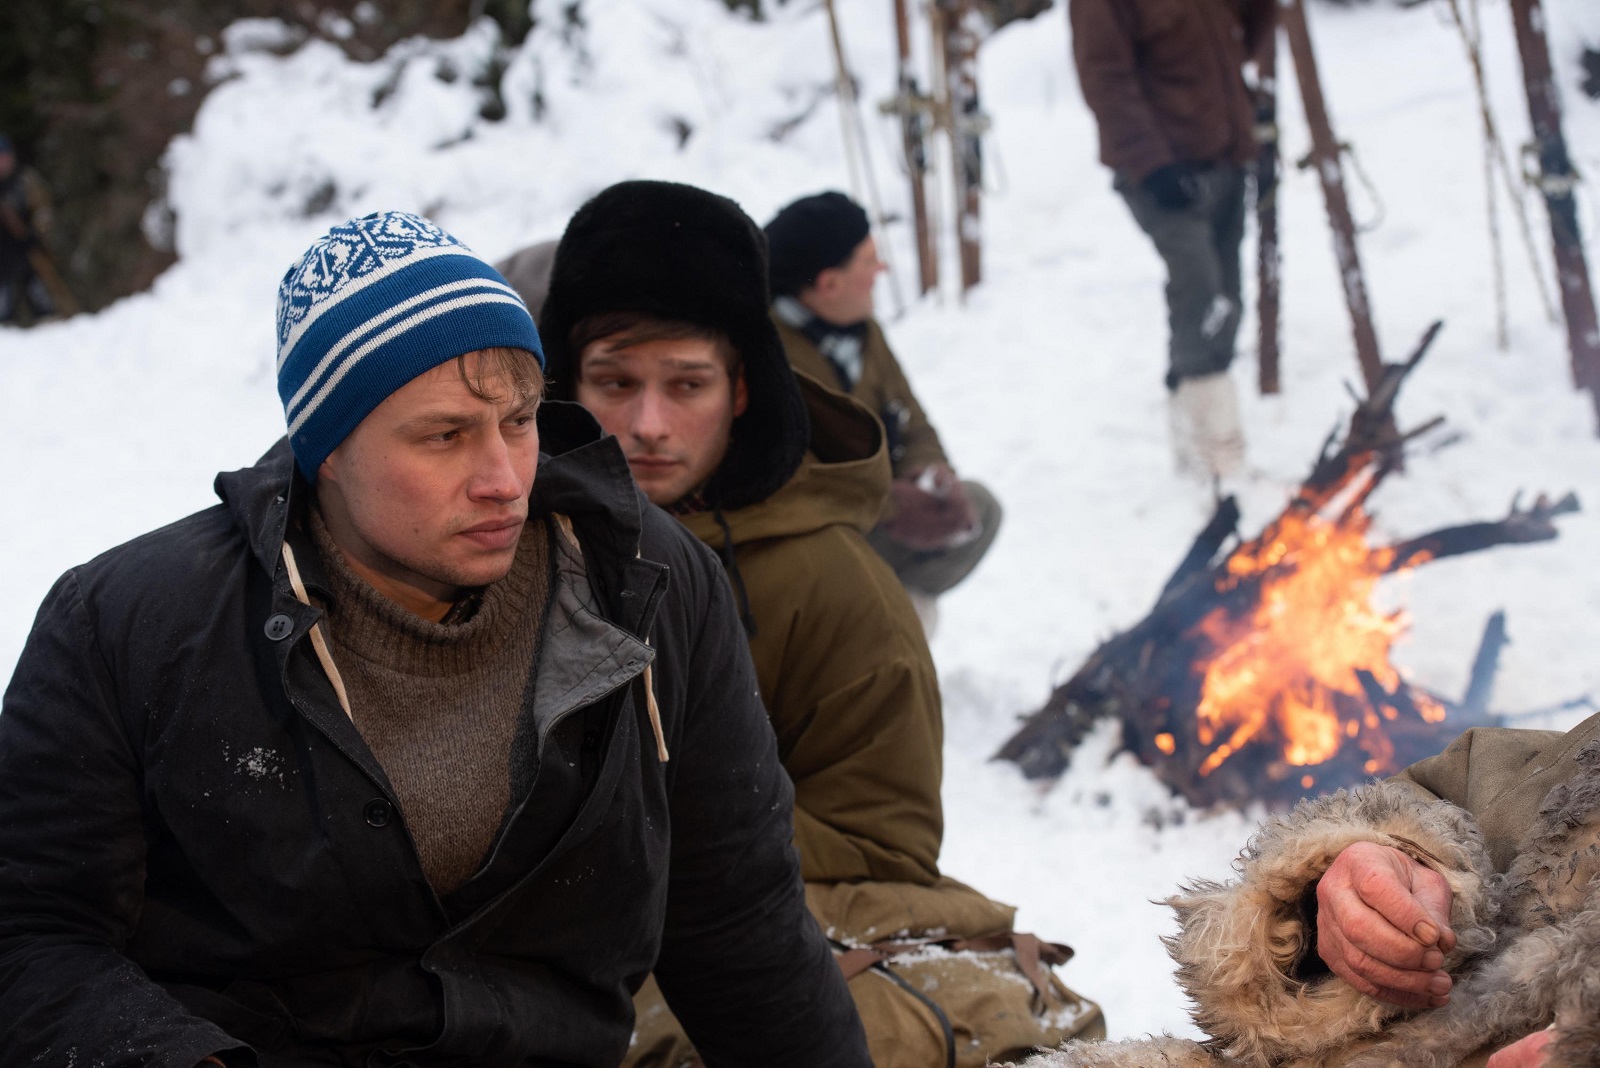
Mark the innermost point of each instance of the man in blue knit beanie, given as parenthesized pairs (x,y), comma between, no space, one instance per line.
(407,752)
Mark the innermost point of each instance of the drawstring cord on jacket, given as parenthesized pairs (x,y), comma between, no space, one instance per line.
(732,565)
(318,642)
(652,708)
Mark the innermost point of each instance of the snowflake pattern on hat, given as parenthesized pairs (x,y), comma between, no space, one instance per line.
(358,249)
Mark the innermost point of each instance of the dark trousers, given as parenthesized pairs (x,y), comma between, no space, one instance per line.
(1200,245)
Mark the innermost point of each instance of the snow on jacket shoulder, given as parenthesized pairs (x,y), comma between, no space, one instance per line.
(198,853)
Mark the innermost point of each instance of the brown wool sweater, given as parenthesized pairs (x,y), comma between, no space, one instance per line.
(439,703)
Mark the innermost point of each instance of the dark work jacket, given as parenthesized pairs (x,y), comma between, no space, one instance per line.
(199,854)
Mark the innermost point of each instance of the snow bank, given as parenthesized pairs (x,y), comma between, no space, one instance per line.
(1046,382)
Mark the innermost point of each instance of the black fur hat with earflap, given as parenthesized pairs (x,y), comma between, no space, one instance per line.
(680,253)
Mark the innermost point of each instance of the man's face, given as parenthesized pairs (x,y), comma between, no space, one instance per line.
(843,295)
(670,402)
(8,163)
(429,494)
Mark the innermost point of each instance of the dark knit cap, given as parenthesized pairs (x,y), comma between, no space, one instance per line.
(682,254)
(811,235)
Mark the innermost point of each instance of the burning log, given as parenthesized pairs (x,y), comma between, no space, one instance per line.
(1263,672)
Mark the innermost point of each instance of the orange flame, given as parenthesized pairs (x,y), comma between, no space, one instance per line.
(1276,675)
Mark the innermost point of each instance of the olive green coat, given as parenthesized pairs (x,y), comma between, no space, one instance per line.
(882,387)
(840,657)
(849,684)
(1501,776)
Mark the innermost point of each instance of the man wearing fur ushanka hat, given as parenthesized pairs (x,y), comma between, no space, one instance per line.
(657,321)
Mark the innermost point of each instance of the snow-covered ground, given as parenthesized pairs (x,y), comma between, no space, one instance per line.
(1045,382)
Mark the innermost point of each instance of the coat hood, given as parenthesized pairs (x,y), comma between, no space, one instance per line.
(843,477)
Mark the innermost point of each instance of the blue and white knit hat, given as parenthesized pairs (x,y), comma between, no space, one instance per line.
(372,304)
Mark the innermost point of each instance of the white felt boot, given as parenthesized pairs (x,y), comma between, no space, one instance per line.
(1206,409)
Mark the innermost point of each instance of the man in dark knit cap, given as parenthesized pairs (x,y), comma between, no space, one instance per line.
(935,527)
(403,755)
(657,322)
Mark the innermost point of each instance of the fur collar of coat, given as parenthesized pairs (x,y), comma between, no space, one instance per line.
(1527,955)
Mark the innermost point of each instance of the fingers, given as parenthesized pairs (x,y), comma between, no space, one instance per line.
(1526,1053)
(1415,989)
(1400,924)
(1432,892)
(1381,925)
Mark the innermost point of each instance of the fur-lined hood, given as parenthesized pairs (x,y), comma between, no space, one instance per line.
(1527,952)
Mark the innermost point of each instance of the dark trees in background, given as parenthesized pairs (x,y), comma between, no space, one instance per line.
(94,90)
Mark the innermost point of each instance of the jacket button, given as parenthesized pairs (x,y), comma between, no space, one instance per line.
(279,627)
(378,812)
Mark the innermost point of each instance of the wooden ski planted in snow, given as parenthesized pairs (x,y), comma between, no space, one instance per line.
(1555,180)
(1327,158)
(962,26)
(912,108)
(1269,260)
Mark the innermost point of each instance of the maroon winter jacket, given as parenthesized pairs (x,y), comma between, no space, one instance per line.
(1164,78)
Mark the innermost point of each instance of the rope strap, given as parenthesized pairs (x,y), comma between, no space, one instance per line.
(318,642)
(1032,952)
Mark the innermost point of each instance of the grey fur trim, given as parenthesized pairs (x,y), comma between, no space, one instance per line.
(1238,940)
(1162,1052)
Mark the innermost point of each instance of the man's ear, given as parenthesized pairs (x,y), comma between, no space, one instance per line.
(329,469)
(741,395)
(827,282)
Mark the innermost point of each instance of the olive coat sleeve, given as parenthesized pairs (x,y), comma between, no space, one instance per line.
(742,962)
(854,699)
(1501,775)
(72,864)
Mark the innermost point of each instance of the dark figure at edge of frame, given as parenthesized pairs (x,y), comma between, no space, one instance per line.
(25,220)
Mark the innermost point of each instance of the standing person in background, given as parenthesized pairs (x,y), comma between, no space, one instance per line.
(657,322)
(1166,83)
(824,261)
(24,221)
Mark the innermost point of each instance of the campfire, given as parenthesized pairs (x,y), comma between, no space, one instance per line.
(1263,671)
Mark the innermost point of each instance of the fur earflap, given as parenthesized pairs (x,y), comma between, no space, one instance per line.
(1239,941)
(683,254)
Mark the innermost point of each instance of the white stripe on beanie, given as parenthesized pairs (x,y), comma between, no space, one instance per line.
(425,315)
(337,350)
(348,289)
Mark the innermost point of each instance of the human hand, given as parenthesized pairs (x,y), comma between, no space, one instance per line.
(1173,186)
(931,510)
(1383,925)
(1525,1053)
